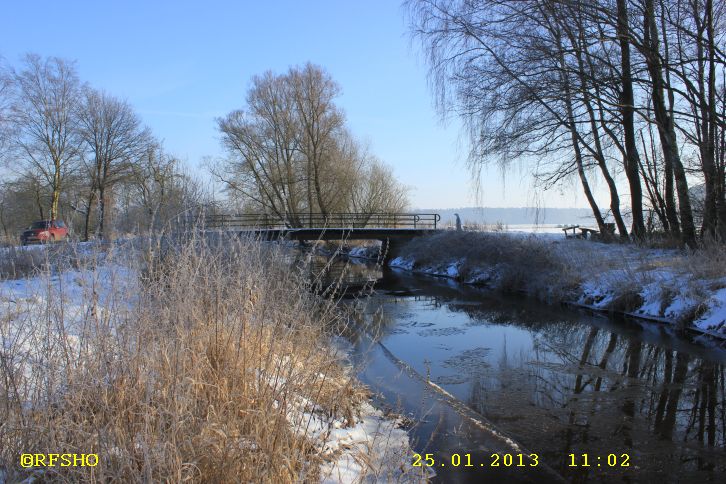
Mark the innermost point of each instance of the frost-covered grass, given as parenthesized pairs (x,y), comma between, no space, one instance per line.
(683,288)
(183,360)
(18,261)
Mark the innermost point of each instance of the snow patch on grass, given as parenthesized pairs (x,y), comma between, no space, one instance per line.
(453,269)
(714,318)
(402,263)
(374,449)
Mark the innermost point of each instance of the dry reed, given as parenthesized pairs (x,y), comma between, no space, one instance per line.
(182,359)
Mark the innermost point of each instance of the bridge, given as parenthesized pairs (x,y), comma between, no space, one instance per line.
(389,228)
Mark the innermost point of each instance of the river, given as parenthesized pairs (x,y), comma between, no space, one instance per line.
(555,393)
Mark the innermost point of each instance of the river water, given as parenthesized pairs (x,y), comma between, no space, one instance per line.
(555,393)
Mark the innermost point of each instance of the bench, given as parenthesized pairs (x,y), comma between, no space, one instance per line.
(585,232)
(574,234)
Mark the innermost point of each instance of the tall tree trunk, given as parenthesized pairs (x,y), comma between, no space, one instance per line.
(87,217)
(670,199)
(310,192)
(600,158)
(580,46)
(666,129)
(37,201)
(56,192)
(721,169)
(670,190)
(575,138)
(708,121)
(101,227)
(3,224)
(632,160)
(586,187)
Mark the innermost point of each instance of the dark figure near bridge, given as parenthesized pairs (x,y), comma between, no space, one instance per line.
(458,222)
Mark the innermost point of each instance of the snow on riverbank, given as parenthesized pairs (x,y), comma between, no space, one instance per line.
(374,449)
(685,290)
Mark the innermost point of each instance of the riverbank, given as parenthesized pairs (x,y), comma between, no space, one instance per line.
(183,360)
(686,290)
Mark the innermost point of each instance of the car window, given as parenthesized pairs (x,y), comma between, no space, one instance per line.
(59,224)
(39,225)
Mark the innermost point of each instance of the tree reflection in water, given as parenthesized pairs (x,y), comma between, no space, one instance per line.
(593,391)
(560,381)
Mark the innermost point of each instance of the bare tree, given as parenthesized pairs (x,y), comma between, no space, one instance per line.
(5,102)
(265,164)
(46,138)
(694,33)
(115,141)
(590,89)
(378,191)
(290,153)
(627,109)
(22,198)
(509,70)
(158,191)
(314,92)
(665,122)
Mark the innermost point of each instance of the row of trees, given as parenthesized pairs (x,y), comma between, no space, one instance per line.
(593,88)
(71,151)
(291,154)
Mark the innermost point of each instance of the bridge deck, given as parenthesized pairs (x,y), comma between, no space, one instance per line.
(338,233)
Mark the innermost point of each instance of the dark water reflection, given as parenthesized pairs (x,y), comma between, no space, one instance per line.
(558,381)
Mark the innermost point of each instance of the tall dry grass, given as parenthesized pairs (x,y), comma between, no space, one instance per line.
(181,359)
(17,262)
(519,263)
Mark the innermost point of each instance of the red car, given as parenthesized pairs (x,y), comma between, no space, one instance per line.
(44,231)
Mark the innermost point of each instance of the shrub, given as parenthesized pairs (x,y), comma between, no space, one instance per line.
(522,263)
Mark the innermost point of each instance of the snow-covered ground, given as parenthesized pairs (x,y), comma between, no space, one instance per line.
(374,449)
(659,284)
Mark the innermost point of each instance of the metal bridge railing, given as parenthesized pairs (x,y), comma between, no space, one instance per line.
(422,221)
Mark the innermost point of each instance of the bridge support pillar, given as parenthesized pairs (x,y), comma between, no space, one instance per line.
(391,248)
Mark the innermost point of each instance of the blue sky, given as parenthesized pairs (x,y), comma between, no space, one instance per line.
(181,64)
